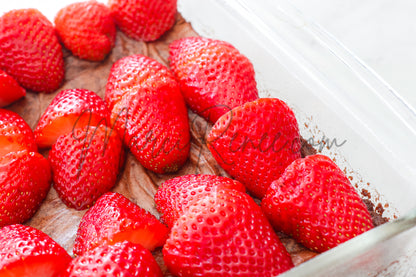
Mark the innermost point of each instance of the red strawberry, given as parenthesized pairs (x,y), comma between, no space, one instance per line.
(225,234)
(85,164)
(175,195)
(113,219)
(149,112)
(30,51)
(26,251)
(70,109)
(87,29)
(213,75)
(255,142)
(15,133)
(143,19)
(24,183)
(123,259)
(314,202)
(10,90)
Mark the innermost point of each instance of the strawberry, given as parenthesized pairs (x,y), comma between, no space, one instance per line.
(314,202)
(87,29)
(123,259)
(149,113)
(85,164)
(174,196)
(30,51)
(143,19)
(15,133)
(255,142)
(24,183)
(26,251)
(114,218)
(225,234)
(10,90)
(214,76)
(70,109)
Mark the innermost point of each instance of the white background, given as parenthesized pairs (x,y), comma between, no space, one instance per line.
(380,32)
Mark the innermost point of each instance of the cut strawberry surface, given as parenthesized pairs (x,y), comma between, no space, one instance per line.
(42,266)
(114,218)
(10,90)
(148,238)
(70,109)
(15,133)
(26,251)
(64,125)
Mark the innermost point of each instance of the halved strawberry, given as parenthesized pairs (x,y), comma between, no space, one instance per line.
(26,251)
(213,75)
(15,133)
(314,202)
(149,113)
(121,259)
(24,183)
(143,19)
(114,218)
(70,109)
(30,51)
(87,29)
(174,196)
(225,234)
(10,90)
(255,142)
(85,164)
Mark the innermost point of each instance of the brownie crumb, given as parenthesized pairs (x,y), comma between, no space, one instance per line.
(306,148)
(298,252)
(365,193)
(379,208)
(369,204)
(376,214)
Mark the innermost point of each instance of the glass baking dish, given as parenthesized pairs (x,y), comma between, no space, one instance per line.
(344,109)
